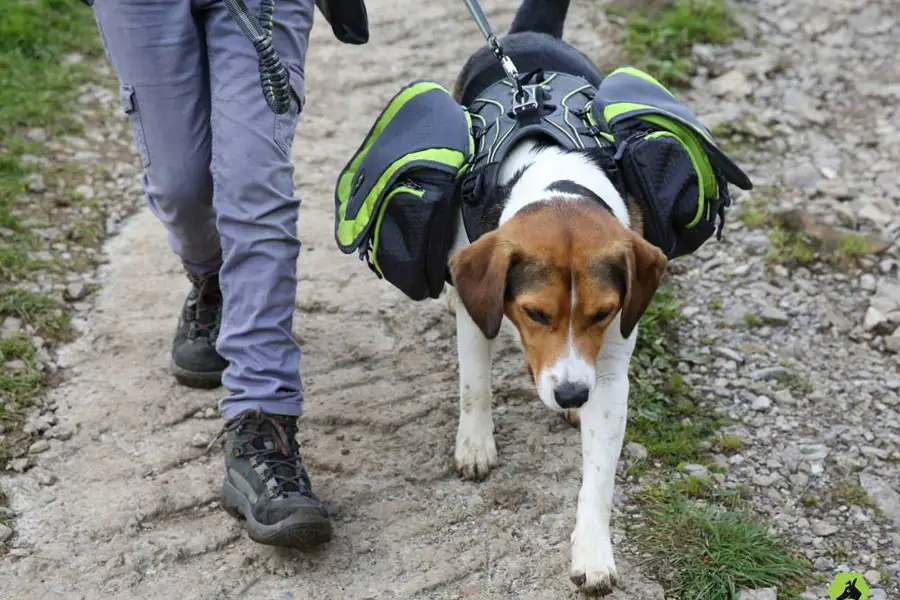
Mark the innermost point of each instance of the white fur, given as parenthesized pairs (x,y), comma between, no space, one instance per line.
(602,417)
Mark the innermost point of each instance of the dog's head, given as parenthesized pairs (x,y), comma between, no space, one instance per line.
(564,273)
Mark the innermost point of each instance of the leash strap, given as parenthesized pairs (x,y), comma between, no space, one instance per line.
(522,96)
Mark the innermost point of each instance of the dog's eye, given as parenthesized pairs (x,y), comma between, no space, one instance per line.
(537,316)
(600,316)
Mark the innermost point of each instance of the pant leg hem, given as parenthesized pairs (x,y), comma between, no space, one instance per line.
(290,408)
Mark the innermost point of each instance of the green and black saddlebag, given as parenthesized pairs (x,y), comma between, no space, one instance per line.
(667,159)
(396,201)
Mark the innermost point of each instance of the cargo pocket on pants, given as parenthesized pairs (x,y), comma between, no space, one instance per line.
(130,106)
(286,124)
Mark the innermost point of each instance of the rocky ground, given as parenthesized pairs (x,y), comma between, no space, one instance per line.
(792,333)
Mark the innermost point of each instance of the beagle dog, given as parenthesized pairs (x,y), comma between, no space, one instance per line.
(568,269)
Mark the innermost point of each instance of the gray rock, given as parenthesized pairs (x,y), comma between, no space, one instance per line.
(764,480)
(761,404)
(696,470)
(887,296)
(75,292)
(887,498)
(773,316)
(874,321)
(5,532)
(732,84)
(823,529)
(729,354)
(199,440)
(761,594)
(20,465)
(43,476)
(635,451)
(892,343)
(38,447)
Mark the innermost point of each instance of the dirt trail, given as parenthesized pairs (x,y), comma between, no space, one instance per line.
(134,513)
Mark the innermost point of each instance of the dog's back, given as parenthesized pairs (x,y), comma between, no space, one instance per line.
(534,41)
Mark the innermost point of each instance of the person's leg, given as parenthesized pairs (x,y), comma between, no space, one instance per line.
(158,52)
(265,481)
(256,209)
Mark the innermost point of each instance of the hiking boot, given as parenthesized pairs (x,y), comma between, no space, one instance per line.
(195,362)
(267,485)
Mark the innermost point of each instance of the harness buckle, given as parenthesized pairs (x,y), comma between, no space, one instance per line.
(525,100)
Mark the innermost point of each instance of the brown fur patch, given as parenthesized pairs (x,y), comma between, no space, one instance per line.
(526,270)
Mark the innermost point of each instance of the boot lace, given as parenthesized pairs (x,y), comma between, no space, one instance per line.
(271,446)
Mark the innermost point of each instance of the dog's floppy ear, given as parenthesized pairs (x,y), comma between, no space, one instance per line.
(645,265)
(479,276)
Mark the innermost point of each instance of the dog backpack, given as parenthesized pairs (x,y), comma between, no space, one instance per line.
(396,200)
(667,160)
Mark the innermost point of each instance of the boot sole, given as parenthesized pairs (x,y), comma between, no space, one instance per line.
(196,379)
(303,530)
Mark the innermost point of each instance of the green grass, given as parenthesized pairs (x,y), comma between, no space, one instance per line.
(704,541)
(664,416)
(710,551)
(659,38)
(47,48)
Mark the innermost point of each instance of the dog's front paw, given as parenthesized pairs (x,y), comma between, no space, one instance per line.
(593,566)
(476,455)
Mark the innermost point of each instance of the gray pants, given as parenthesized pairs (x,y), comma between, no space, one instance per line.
(218,173)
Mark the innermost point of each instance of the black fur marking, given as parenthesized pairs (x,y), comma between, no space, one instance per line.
(496,202)
(612,272)
(526,275)
(567,186)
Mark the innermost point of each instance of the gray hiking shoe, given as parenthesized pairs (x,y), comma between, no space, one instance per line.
(267,485)
(195,362)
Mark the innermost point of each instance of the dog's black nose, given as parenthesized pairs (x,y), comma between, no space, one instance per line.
(571,395)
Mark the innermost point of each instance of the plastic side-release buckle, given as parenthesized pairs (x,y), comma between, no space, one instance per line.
(470,188)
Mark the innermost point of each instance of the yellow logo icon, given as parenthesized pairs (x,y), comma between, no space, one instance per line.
(848,586)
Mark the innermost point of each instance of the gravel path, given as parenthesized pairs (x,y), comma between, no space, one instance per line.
(121,502)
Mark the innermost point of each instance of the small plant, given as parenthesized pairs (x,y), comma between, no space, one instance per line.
(753,321)
(851,493)
(731,443)
(854,246)
(660,39)
(810,500)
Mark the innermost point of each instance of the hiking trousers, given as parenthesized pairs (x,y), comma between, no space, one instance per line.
(217,171)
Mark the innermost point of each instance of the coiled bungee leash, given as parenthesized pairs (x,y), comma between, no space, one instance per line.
(275,79)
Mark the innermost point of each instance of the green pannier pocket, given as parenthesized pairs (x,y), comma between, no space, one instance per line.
(667,158)
(395,200)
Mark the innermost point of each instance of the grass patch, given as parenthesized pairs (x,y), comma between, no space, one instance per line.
(664,416)
(854,246)
(47,51)
(702,538)
(789,247)
(659,36)
(711,552)
(852,494)
(731,444)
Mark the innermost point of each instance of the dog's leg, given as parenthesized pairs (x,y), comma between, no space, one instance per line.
(602,431)
(476,452)
(452,298)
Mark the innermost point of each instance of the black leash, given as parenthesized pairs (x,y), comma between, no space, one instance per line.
(524,98)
